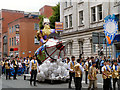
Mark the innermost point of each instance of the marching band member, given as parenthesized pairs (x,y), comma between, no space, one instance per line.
(7,67)
(15,65)
(2,64)
(106,76)
(115,74)
(27,62)
(71,70)
(68,60)
(92,76)
(110,73)
(78,75)
(33,70)
(86,66)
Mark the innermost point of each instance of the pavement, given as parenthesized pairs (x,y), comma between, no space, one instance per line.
(21,83)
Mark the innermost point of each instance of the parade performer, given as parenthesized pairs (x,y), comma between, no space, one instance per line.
(86,66)
(3,67)
(27,62)
(78,75)
(15,65)
(71,70)
(110,73)
(92,76)
(7,67)
(106,76)
(68,60)
(33,70)
(115,75)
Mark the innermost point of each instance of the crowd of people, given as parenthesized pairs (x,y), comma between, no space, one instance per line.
(109,68)
(13,66)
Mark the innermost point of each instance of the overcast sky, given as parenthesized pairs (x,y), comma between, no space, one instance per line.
(26,5)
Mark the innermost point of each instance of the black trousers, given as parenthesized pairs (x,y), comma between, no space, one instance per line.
(15,74)
(115,80)
(86,76)
(72,75)
(33,73)
(8,72)
(78,84)
(100,69)
(106,84)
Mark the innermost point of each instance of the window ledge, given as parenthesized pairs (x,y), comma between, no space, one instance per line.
(80,2)
(68,7)
(81,25)
(68,28)
(97,22)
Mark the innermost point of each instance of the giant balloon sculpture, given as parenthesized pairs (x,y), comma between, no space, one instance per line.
(50,53)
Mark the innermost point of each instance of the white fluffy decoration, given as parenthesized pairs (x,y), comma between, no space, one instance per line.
(53,71)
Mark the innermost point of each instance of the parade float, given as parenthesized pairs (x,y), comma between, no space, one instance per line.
(51,54)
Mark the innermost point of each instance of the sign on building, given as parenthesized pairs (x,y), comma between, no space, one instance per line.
(59,26)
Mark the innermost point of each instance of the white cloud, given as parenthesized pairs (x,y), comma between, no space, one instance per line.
(26,5)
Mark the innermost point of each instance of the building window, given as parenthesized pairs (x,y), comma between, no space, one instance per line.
(94,48)
(15,28)
(70,20)
(70,2)
(66,22)
(15,41)
(66,4)
(99,12)
(70,48)
(36,26)
(80,17)
(0,44)
(0,25)
(80,47)
(10,30)
(36,41)
(93,14)
(10,41)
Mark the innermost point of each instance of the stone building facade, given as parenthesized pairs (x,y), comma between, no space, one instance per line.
(80,19)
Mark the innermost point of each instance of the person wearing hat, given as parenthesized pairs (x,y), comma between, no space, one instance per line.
(106,76)
(92,76)
(78,75)
(115,74)
(7,67)
(71,70)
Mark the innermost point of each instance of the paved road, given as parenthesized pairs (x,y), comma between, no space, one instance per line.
(21,83)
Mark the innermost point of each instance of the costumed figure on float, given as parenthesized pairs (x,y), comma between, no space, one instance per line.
(51,53)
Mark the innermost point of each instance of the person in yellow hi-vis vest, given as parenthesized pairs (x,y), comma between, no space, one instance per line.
(78,75)
(27,62)
(33,70)
(92,76)
(115,74)
(7,67)
(71,70)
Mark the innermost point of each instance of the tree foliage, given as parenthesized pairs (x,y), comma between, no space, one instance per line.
(56,16)
(41,17)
